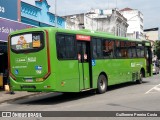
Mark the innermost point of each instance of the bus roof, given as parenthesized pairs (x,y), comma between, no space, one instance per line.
(83,31)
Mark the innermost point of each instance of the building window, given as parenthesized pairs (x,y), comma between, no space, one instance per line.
(141,19)
(141,27)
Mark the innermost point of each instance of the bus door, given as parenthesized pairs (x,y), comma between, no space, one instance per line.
(83,49)
(148,59)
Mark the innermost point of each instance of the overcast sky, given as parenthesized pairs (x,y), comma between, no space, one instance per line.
(149,8)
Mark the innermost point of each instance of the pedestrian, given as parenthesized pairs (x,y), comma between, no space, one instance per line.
(8,87)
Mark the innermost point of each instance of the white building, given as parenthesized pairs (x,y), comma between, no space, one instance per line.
(99,20)
(135,21)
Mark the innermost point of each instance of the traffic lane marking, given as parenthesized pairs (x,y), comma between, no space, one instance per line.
(155,88)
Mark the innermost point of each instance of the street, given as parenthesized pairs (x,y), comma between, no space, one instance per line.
(123,97)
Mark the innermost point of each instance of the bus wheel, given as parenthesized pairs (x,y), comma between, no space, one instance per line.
(101,84)
(139,81)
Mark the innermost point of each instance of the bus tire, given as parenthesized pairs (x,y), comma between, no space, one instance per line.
(102,84)
(139,81)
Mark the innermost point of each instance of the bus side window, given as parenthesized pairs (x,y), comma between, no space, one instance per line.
(108,48)
(97,48)
(130,55)
(117,49)
(124,53)
(65,47)
(94,52)
(94,49)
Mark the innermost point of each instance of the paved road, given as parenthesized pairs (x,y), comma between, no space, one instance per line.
(124,97)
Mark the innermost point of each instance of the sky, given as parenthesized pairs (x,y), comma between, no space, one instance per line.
(149,8)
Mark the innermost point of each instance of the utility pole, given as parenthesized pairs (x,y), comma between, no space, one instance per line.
(55,13)
(108,4)
(116,4)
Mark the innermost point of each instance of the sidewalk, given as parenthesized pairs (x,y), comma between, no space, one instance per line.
(4,96)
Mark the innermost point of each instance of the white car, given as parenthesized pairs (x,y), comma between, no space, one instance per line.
(155,68)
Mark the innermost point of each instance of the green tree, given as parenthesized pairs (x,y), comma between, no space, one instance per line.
(157,48)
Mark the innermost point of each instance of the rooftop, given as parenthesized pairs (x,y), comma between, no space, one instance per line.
(126,9)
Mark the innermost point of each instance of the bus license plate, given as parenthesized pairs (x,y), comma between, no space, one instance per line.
(29,80)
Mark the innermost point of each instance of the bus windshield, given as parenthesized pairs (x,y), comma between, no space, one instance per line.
(27,42)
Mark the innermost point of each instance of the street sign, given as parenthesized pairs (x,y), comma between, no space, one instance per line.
(9,9)
(8,26)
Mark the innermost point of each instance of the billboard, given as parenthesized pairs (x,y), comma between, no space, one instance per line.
(152,34)
(8,26)
(10,9)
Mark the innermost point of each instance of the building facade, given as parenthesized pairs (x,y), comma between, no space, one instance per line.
(135,22)
(36,12)
(74,22)
(99,20)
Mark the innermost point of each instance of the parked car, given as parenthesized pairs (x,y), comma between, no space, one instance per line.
(155,68)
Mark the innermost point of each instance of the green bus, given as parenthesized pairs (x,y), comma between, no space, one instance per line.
(58,60)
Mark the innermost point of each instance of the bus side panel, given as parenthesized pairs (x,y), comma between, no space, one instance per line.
(67,76)
(65,72)
(117,70)
(96,70)
(137,64)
